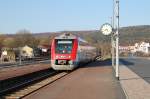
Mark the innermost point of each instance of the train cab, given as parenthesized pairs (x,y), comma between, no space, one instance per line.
(63,52)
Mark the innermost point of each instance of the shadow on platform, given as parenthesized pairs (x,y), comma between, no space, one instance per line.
(97,64)
(106,62)
(124,62)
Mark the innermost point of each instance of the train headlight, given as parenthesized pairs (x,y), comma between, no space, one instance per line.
(70,62)
(56,56)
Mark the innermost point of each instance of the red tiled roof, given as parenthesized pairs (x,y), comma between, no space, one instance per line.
(44,46)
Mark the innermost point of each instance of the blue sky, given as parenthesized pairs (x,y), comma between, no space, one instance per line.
(60,15)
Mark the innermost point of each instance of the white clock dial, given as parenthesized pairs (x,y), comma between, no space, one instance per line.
(106,29)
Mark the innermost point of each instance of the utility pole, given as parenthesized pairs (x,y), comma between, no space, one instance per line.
(117,37)
(112,36)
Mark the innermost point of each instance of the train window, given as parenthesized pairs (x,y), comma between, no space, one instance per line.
(64,42)
(64,46)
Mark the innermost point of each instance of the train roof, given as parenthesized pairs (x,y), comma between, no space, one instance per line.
(71,36)
(66,36)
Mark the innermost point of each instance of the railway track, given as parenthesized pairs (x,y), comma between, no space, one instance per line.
(28,85)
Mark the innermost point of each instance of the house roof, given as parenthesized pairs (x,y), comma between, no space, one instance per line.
(27,48)
(44,46)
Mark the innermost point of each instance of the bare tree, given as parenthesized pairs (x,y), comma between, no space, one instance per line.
(25,37)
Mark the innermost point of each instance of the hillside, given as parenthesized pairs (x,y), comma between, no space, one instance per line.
(128,35)
(134,34)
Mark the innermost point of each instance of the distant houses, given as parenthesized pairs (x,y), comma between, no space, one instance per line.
(142,47)
(126,48)
(25,52)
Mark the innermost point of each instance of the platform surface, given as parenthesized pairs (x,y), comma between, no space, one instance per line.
(135,77)
(94,81)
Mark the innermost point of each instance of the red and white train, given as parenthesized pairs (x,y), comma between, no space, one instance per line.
(68,51)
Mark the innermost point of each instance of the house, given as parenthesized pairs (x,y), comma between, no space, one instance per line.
(7,55)
(44,50)
(142,47)
(123,48)
(126,48)
(138,47)
(26,52)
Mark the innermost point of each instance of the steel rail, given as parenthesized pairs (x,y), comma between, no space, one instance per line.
(27,82)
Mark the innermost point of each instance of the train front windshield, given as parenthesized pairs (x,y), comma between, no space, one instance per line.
(64,46)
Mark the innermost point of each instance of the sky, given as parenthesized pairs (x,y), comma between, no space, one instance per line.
(61,15)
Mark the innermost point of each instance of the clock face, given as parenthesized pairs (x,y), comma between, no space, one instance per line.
(106,29)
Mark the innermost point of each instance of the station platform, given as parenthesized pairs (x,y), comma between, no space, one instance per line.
(94,81)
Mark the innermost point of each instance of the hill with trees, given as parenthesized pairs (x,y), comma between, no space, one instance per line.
(128,36)
(132,34)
